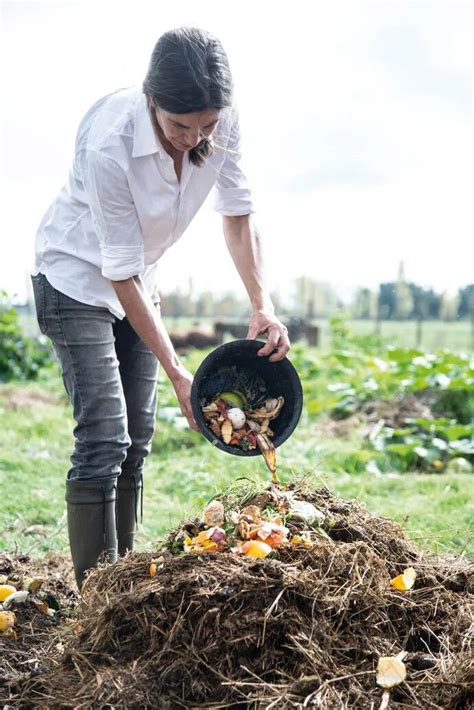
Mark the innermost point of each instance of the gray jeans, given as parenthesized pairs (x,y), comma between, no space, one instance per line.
(110,377)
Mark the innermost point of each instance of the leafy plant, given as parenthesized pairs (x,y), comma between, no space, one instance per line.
(342,336)
(21,357)
(352,373)
(426,444)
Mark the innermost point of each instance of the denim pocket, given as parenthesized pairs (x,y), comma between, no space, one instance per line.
(38,291)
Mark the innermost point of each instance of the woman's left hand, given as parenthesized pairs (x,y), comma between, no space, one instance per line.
(277,335)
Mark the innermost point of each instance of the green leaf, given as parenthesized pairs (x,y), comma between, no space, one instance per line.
(401,449)
(440,444)
(464,446)
(458,431)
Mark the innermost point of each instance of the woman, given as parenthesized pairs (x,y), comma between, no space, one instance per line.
(145,160)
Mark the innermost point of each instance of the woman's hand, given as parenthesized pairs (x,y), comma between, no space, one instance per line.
(182,382)
(277,334)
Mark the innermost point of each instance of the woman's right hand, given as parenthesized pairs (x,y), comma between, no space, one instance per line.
(182,386)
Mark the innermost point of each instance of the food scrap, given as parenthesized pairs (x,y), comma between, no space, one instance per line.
(253,531)
(404,581)
(7,621)
(18,596)
(239,416)
(6,590)
(390,671)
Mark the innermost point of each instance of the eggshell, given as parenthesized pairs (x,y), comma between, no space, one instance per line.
(237,417)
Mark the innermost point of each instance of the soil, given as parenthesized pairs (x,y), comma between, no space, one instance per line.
(24,397)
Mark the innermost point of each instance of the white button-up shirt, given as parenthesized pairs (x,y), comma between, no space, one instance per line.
(123,206)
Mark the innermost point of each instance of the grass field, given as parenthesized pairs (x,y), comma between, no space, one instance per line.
(454,335)
(184,471)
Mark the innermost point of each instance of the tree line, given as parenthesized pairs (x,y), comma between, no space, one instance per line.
(311,299)
(409,301)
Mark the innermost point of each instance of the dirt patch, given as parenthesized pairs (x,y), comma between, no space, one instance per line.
(25,397)
(396,411)
(302,629)
(374,414)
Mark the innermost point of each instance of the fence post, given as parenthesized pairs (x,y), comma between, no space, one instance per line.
(312,335)
(419,331)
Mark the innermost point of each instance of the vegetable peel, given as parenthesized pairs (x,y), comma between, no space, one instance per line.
(256,548)
(7,620)
(404,581)
(390,671)
(5,591)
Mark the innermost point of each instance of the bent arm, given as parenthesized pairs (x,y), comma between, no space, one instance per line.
(245,247)
(147,323)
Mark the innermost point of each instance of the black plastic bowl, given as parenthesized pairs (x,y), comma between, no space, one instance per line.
(280,378)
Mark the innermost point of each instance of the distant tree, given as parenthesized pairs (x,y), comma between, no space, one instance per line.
(302,295)
(325,299)
(403,296)
(205,307)
(466,300)
(387,301)
(230,306)
(364,303)
(173,304)
(426,302)
(314,299)
(448,307)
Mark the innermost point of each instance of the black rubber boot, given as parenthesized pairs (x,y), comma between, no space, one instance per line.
(129,499)
(91,523)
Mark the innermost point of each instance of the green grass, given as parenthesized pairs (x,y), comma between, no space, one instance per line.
(455,335)
(184,471)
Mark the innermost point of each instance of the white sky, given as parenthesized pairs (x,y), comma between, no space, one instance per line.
(356,121)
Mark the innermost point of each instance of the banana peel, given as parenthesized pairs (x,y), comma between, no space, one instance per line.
(263,413)
(269,454)
(226,431)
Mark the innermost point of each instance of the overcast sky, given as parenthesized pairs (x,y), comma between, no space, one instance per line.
(356,121)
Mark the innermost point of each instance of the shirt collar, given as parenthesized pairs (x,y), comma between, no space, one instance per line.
(145,140)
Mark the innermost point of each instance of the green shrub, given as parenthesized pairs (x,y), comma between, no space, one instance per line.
(21,357)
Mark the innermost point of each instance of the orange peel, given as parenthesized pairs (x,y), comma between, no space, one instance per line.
(404,581)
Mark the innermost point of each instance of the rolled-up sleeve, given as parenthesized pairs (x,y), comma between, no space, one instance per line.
(114,217)
(232,196)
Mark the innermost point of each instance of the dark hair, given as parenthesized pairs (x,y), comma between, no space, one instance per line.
(189,72)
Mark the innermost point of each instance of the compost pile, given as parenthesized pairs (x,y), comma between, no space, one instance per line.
(304,626)
(396,412)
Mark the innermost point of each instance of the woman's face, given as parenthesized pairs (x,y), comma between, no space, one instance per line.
(185,130)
